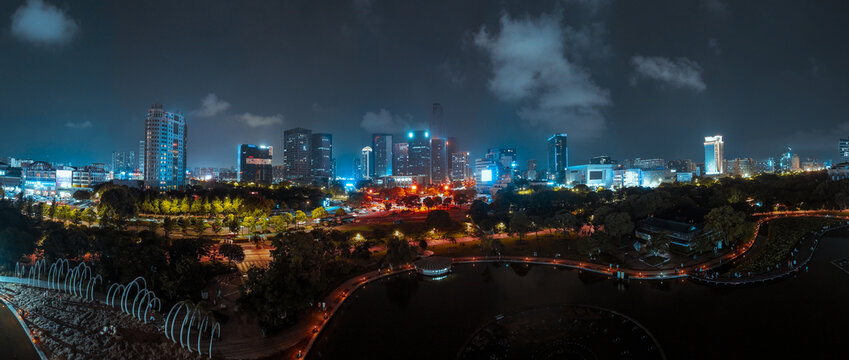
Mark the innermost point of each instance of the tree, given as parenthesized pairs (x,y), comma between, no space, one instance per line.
(428,202)
(618,224)
(185,224)
(386,205)
(319,212)
(439,220)
(117,205)
(340,212)
(659,243)
(82,195)
(279,223)
(300,217)
(232,252)
(565,219)
(250,223)
(169,225)
(233,224)
(217,226)
(398,251)
(478,211)
(490,244)
(520,224)
(17,235)
(199,226)
(89,216)
(727,224)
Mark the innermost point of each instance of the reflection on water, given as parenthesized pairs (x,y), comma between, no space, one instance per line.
(13,339)
(412,318)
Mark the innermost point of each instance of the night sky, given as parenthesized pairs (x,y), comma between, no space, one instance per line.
(626,79)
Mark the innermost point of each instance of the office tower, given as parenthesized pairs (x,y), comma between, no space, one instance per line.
(254,164)
(506,159)
(358,169)
(321,157)
(418,160)
(400,159)
(140,157)
(382,146)
(366,163)
(438,162)
(531,172)
(843,148)
(437,121)
(296,153)
(714,147)
(459,166)
(558,157)
(123,165)
(164,149)
(451,146)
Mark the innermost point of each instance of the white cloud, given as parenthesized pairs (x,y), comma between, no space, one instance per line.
(210,106)
(530,67)
(259,120)
(385,121)
(680,72)
(43,24)
(78,125)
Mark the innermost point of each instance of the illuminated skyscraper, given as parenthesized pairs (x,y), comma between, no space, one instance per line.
(297,148)
(419,153)
(382,146)
(843,148)
(400,159)
(321,157)
(255,164)
(366,163)
(459,166)
(438,161)
(558,157)
(714,160)
(164,149)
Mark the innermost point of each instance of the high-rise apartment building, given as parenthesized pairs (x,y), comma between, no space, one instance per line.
(438,161)
(418,163)
(714,160)
(140,158)
(366,163)
(382,146)
(460,166)
(254,164)
(843,148)
(297,148)
(558,157)
(321,156)
(400,159)
(164,149)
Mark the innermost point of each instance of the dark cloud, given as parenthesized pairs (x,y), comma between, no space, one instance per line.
(41,23)
(384,121)
(680,72)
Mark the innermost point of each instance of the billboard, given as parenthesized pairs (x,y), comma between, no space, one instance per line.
(486,175)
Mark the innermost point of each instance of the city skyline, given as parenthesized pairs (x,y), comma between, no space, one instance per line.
(467,65)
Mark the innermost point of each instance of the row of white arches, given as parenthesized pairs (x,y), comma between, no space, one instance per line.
(134,299)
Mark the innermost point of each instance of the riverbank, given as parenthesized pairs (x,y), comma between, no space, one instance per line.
(64,327)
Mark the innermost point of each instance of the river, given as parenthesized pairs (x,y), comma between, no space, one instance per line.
(408,317)
(14,342)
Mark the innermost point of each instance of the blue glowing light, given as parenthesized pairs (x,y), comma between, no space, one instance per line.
(410,134)
(427,134)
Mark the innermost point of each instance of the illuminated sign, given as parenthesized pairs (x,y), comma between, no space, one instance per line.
(255,161)
(486,175)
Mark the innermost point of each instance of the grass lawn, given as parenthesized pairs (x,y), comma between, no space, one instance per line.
(548,245)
